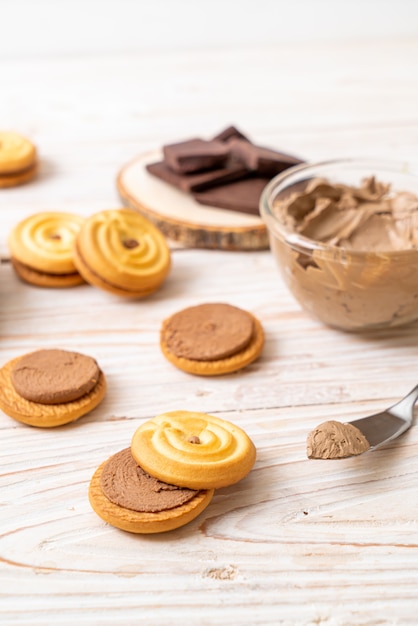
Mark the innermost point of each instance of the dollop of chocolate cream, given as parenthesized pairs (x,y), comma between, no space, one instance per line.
(126,484)
(54,376)
(334,440)
(208,332)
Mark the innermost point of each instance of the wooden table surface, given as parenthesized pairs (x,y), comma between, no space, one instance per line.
(298,541)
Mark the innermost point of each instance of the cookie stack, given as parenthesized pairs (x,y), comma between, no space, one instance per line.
(41,249)
(18,160)
(118,251)
(168,475)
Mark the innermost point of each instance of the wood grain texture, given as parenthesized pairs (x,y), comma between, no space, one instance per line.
(297,542)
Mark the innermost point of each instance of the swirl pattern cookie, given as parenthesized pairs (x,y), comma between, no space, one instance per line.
(211,339)
(122,252)
(193,450)
(17,159)
(126,497)
(48,388)
(41,249)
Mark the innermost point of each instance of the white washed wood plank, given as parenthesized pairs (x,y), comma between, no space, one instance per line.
(298,541)
(275,536)
(303,363)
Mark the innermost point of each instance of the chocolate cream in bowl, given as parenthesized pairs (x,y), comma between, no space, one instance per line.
(360,268)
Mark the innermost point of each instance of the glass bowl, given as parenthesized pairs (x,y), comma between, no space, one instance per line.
(353,290)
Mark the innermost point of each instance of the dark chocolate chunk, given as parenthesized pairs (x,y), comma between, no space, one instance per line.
(264,161)
(242,195)
(195,155)
(201,181)
(230,133)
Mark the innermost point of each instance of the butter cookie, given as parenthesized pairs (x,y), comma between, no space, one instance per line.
(122,252)
(18,160)
(193,450)
(41,249)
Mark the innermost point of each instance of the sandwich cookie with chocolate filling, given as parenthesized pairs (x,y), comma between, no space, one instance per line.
(125,496)
(41,249)
(49,388)
(18,160)
(122,252)
(169,474)
(211,339)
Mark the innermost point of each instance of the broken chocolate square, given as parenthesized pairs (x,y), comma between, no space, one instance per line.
(243,195)
(201,180)
(264,161)
(195,155)
(230,133)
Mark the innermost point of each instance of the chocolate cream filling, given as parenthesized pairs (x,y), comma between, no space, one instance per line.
(208,332)
(18,264)
(54,376)
(18,172)
(126,484)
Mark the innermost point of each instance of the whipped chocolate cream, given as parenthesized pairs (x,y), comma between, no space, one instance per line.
(54,376)
(366,218)
(126,484)
(334,440)
(364,272)
(208,332)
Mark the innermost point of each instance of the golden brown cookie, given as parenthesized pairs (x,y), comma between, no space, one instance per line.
(211,339)
(16,152)
(68,383)
(122,252)
(17,159)
(41,249)
(193,450)
(126,497)
(18,178)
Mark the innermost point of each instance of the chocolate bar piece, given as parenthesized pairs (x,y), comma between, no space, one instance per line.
(243,195)
(198,181)
(195,155)
(264,161)
(230,133)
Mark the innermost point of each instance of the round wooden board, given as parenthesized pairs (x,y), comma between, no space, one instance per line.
(183,219)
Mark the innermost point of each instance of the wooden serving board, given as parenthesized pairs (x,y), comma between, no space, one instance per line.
(183,219)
